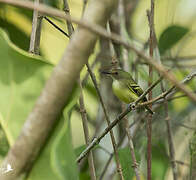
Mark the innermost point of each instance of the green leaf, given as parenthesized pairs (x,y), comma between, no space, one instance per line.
(126,163)
(22,77)
(170,36)
(57,160)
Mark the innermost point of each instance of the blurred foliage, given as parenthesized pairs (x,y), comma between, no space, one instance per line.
(170,36)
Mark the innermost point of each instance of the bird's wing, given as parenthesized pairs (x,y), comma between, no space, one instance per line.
(136,89)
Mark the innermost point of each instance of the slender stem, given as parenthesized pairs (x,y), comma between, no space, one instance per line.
(57,27)
(86,133)
(131,147)
(67,12)
(150,15)
(36,31)
(170,142)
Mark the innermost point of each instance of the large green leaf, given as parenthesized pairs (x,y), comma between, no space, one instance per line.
(22,77)
(170,36)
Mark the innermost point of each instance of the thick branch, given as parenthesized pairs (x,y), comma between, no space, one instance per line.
(58,88)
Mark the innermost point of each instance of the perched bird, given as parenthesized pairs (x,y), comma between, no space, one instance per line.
(124,87)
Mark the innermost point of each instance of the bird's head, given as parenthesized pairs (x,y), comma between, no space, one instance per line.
(117,74)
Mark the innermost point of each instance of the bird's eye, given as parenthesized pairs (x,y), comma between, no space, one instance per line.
(116,73)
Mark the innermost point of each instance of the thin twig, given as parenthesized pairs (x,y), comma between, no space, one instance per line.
(101,31)
(67,12)
(119,170)
(57,27)
(86,133)
(36,31)
(150,15)
(131,147)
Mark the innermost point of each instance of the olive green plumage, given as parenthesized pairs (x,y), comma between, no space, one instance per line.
(125,88)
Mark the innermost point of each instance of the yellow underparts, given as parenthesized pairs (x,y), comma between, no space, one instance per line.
(123,92)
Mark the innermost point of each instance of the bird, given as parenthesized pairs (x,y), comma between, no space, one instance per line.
(124,87)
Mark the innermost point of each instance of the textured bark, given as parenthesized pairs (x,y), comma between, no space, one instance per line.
(54,96)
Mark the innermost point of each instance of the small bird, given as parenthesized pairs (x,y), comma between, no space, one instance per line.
(125,88)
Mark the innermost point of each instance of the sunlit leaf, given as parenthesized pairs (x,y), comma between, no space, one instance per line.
(22,77)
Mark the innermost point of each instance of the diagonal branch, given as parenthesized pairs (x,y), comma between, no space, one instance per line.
(101,31)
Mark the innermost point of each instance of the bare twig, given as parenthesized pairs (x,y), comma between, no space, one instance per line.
(67,12)
(57,27)
(86,133)
(119,170)
(150,15)
(131,147)
(36,31)
(101,31)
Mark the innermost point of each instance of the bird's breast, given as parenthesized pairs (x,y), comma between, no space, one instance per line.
(122,92)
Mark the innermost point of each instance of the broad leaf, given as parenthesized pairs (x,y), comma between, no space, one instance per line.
(22,77)
(170,36)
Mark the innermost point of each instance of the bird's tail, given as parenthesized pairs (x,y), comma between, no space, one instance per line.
(149,110)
